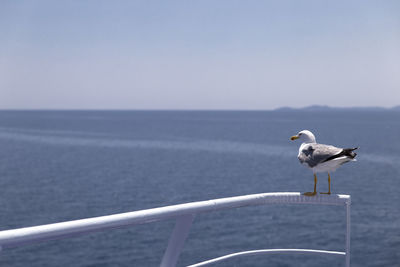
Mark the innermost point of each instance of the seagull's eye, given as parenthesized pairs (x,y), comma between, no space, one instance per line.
(300,134)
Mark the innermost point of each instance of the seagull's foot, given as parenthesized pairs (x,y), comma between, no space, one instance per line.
(310,194)
(325,193)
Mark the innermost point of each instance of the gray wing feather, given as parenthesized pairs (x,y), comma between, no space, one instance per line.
(313,154)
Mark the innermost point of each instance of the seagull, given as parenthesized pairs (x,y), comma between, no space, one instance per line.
(321,158)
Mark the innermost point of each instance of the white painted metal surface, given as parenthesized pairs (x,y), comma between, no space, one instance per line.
(183,213)
(177,240)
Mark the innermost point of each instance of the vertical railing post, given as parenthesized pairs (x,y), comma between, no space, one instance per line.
(177,240)
(348,221)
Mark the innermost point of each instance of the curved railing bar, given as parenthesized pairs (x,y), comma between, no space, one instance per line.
(22,236)
(267,251)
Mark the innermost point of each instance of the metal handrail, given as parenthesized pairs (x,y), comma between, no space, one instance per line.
(184,215)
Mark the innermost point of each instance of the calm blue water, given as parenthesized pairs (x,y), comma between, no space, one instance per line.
(59,165)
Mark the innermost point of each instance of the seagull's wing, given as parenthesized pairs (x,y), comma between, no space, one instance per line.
(314,154)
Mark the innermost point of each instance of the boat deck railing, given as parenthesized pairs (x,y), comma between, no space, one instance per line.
(184,215)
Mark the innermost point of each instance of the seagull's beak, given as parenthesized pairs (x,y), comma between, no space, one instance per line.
(294,137)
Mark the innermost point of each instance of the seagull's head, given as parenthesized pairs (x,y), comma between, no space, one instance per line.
(306,136)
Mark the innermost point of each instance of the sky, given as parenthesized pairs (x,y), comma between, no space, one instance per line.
(205,54)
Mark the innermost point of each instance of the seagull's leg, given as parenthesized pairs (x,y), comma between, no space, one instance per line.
(315,188)
(329,185)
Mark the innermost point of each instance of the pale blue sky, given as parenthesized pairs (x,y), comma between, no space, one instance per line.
(198,54)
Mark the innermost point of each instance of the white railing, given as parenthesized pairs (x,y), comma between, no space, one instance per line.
(184,215)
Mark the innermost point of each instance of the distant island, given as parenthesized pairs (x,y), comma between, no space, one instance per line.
(328,108)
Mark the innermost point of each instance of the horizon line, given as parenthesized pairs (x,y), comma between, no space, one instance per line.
(310,107)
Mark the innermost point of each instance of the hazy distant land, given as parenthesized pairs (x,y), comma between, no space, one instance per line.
(328,108)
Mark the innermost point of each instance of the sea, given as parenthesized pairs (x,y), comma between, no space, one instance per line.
(65,165)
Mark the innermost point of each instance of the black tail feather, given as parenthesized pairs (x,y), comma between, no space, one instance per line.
(349,152)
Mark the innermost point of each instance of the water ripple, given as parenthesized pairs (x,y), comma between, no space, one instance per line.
(193,145)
